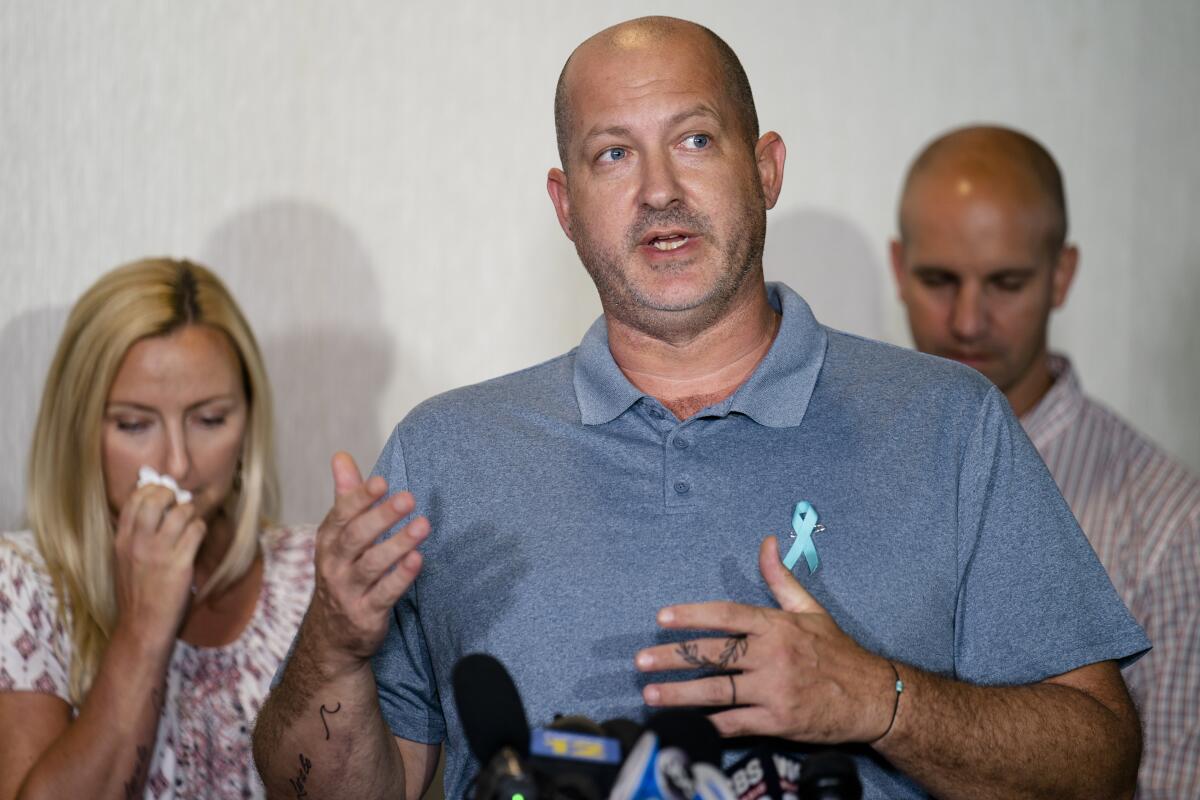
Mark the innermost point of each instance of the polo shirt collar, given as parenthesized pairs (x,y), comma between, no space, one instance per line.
(776,394)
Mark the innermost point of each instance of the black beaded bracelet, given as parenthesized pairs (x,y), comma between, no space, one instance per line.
(895,704)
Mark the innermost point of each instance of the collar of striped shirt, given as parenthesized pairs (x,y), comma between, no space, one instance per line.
(1055,411)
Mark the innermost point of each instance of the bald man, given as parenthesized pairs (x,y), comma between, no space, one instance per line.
(712,502)
(981,262)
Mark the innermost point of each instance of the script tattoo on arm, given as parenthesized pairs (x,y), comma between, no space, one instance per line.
(736,646)
(324,721)
(301,778)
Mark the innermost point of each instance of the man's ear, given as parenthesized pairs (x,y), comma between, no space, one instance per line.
(896,250)
(769,155)
(560,196)
(1064,274)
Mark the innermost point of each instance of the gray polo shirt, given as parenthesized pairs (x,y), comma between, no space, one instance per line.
(567,508)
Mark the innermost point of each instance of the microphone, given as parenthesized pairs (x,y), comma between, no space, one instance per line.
(652,772)
(675,759)
(625,731)
(830,775)
(764,774)
(574,758)
(497,731)
(690,731)
(754,777)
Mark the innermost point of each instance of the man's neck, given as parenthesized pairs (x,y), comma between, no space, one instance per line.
(695,372)
(1026,393)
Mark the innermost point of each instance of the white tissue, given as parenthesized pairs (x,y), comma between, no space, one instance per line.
(149,475)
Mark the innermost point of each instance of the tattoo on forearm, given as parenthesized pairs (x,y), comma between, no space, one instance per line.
(736,646)
(133,786)
(301,778)
(156,700)
(324,721)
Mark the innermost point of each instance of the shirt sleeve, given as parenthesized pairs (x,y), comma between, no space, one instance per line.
(1033,599)
(404,672)
(1167,682)
(32,638)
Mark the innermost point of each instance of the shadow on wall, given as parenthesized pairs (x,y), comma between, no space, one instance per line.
(311,294)
(832,264)
(26,348)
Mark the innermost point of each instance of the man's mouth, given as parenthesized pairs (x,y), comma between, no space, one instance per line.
(970,358)
(669,242)
(665,241)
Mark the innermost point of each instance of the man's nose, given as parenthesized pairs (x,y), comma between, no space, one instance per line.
(968,318)
(660,182)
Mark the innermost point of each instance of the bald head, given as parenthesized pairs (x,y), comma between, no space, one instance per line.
(649,33)
(994,160)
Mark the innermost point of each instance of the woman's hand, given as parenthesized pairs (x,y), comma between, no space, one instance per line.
(155,551)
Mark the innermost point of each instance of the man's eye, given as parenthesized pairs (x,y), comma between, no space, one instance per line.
(697,141)
(934,280)
(613,154)
(1010,284)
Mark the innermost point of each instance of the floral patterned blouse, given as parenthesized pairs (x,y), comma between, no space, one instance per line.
(213,693)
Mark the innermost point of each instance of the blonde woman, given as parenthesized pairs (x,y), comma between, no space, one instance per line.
(140,628)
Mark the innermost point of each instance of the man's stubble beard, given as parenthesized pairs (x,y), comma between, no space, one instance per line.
(621,298)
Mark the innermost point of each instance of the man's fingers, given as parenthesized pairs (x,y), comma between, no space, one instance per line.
(353,502)
(346,476)
(380,557)
(717,690)
(388,589)
(717,615)
(788,592)
(356,537)
(747,721)
(730,652)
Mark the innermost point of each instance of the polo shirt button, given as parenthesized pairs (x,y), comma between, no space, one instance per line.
(655,412)
(682,487)
(681,443)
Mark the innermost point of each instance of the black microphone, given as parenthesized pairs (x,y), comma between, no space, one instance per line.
(497,731)
(676,758)
(830,775)
(574,759)
(690,731)
(754,777)
(767,774)
(625,731)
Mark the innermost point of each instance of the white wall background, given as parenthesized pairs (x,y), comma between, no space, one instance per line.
(369,178)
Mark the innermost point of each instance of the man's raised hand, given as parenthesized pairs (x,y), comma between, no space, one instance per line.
(789,672)
(358,577)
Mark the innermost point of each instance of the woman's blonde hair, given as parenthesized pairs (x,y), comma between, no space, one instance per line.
(66,500)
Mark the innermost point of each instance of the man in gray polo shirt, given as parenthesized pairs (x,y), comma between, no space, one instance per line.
(887,563)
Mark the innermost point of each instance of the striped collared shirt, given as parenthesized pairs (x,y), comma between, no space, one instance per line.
(1141,510)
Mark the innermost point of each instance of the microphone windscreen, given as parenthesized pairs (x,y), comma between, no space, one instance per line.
(754,777)
(830,775)
(625,731)
(690,731)
(489,707)
(575,723)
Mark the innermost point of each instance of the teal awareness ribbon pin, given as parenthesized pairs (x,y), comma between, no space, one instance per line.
(804,523)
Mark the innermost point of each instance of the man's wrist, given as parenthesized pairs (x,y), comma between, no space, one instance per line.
(324,660)
(894,694)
